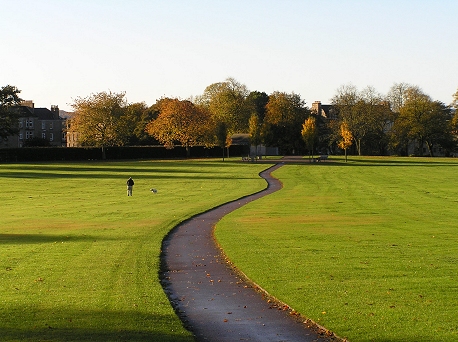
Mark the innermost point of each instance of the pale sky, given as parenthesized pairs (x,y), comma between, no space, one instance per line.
(58,50)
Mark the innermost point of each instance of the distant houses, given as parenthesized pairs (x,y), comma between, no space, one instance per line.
(37,124)
(322,110)
(51,127)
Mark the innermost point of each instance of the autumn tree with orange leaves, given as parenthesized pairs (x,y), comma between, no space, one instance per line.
(347,138)
(180,121)
(309,134)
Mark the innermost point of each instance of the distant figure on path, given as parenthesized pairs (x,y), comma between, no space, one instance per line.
(130,185)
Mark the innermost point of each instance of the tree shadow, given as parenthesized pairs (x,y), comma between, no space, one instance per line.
(17,239)
(408,161)
(26,324)
(105,171)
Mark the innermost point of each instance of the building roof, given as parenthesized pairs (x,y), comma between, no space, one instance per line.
(40,113)
(24,111)
(44,114)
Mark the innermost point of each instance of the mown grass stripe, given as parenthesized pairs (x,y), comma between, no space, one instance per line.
(366,248)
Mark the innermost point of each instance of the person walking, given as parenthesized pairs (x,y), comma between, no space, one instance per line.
(130,185)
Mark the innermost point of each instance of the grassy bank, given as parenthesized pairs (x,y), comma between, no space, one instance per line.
(79,260)
(368,248)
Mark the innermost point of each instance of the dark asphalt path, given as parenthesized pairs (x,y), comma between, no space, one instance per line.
(211,299)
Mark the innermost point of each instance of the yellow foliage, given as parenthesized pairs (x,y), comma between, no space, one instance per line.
(347,136)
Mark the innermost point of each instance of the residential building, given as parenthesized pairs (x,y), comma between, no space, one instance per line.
(323,110)
(71,136)
(37,123)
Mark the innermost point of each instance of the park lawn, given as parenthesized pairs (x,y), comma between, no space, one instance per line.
(79,260)
(368,248)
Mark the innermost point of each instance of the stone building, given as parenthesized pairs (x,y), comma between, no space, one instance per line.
(323,110)
(37,123)
(72,137)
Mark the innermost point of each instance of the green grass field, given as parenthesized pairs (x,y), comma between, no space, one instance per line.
(368,248)
(79,260)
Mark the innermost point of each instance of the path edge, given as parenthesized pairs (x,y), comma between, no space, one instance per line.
(269,298)
(275,302)
(163,279)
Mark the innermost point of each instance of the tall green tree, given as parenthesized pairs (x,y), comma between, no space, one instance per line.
(138,115)
(255,132)
(257,102)
(222,136)
(100,120)
(9,98)
(422,121)
(226,101)
(284,116)
(439,132)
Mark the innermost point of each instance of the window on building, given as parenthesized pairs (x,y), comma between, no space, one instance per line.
(21,123)
(21,136)
(51,125)
(43,135)
(43,125)
(51,136)
(28,135)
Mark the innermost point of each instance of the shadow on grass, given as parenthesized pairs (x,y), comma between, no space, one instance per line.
(177,170)
(408,161)
(134,174)
(116,167)
(68,325)
(46,238)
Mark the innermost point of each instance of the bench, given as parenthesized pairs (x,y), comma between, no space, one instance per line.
(323,157)
(251,158)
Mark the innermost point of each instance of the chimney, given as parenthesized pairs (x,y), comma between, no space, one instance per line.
(28,103)
(316,107)
(55,112)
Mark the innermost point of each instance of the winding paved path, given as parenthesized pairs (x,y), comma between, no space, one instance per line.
(211,299)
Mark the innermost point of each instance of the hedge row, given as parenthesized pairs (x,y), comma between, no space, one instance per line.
(29,154)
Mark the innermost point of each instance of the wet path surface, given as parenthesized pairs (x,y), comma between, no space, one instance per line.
(210,298)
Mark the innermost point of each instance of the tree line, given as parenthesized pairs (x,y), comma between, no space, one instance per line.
(361,121)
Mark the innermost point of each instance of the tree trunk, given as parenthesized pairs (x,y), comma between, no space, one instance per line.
(358,146)
(430,149)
